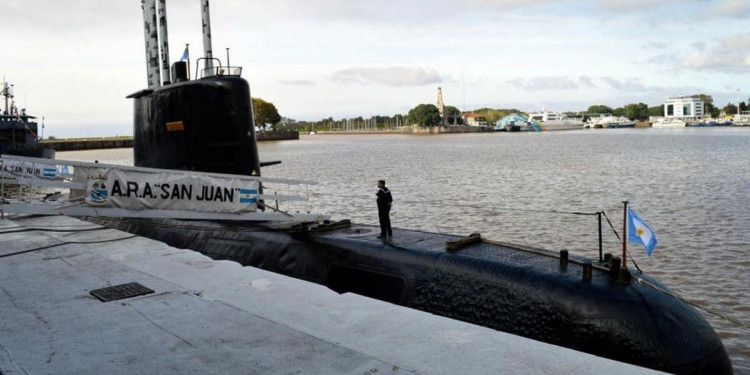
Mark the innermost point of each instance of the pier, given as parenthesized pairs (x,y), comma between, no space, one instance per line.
(207,316)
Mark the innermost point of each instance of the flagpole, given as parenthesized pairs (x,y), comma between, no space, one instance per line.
(187,45)
(599,216)
(624,232)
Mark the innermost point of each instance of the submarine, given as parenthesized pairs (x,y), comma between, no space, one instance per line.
(596,306)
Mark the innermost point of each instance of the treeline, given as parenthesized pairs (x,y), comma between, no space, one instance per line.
(429,115)
(348,124)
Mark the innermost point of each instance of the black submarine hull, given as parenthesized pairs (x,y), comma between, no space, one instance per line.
(503,287)
(207,125)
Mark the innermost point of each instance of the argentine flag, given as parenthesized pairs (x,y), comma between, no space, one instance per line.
(639,232)
(49,172)
(248,196)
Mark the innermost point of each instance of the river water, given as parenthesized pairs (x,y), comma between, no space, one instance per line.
(692,186)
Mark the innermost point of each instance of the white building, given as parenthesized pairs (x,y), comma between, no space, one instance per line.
(474,119)
(684,107)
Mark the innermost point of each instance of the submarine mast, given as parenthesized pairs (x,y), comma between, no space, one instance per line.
(207,49)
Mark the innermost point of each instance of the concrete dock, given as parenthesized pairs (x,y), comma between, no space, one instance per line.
(216,317)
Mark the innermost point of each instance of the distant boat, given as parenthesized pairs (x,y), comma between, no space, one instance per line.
(516,122)
(742,119)
(614,122)
(669,123)
(555,121)
(710,122)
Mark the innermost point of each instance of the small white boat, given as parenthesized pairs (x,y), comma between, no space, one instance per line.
(669,123)
(613,122)
(555,121)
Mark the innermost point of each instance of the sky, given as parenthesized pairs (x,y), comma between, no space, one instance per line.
(75,61)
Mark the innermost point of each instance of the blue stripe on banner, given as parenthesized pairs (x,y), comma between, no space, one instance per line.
(248,200)
(248,191)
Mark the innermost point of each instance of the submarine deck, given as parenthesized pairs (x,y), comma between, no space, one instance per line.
(532,258)
(211,316)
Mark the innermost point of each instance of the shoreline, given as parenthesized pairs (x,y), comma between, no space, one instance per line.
(126,141)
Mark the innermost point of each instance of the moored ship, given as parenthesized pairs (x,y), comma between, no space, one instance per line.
(19,131)
(550,121)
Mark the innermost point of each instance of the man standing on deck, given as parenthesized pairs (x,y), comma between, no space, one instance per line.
(384,209)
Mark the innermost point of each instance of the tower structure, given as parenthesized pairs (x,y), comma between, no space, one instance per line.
(441,106)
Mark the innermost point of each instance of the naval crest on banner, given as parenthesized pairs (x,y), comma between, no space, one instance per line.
(96,190)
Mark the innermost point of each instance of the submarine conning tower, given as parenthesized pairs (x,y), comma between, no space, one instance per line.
(205,124)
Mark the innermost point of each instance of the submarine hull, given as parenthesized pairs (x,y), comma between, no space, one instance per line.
(503,287)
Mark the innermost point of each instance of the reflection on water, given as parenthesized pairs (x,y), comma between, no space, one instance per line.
(690,185)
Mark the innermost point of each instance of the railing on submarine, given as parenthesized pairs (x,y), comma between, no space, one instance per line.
(63,187)
(214,70)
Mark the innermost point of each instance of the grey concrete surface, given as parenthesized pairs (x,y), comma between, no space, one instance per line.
(216,317)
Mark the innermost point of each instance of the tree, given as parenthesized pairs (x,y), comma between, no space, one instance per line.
(708,104)
(635,111)
(599,109)
(656,111)
(424,115)
(730,109)
(453,115)
(265,113)
(492,115)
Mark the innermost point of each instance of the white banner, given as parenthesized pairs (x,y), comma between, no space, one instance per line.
(107,187)
(26,169)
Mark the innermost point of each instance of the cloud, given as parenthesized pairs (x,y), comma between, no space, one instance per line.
(297,82)
(699,45)
(726,55)
(625,85)
(655,45)
(551,83)
(587,81)
(627,5)
(731,8)
(390,76)
(666,58)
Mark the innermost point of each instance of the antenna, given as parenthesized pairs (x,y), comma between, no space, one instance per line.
(164,42)
(206,17)
(151,39)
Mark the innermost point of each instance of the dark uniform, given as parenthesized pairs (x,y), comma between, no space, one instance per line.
(384,210)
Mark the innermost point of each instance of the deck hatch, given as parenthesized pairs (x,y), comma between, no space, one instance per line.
(121,291)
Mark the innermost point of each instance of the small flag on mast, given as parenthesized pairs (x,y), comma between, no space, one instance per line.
(639,232)
(185,55)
